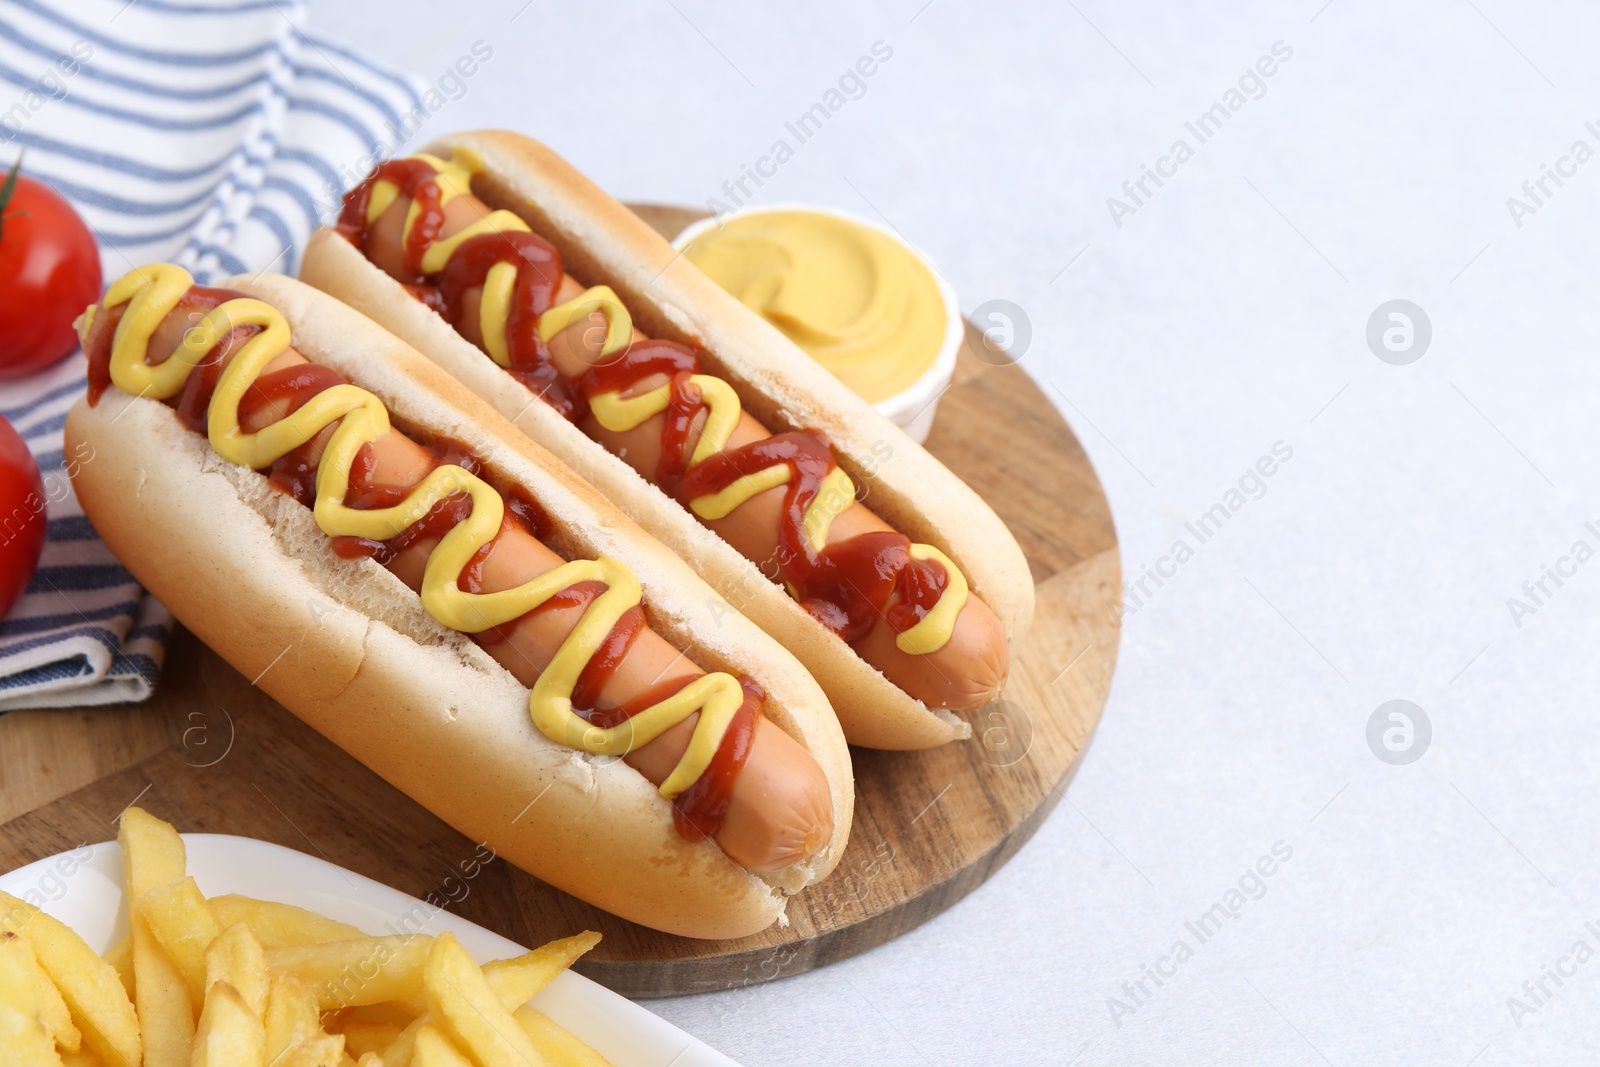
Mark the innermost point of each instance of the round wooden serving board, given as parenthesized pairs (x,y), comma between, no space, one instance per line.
(211,753)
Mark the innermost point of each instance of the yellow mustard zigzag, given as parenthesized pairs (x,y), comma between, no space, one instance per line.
(152,292)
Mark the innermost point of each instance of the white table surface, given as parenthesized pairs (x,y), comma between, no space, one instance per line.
(1227,314)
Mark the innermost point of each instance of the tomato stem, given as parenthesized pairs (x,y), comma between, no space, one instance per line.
(7,189)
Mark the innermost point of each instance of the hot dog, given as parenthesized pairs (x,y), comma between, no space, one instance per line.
(698,419)
(267,444)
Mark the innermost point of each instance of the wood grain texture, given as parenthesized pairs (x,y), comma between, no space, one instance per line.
(48,754)
(213,754)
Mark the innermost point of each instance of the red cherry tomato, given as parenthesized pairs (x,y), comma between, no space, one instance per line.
(49,272)
(22,518)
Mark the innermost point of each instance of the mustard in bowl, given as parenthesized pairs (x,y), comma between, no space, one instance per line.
(849,293)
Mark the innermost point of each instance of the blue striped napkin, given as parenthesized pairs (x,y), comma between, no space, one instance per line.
(217,136)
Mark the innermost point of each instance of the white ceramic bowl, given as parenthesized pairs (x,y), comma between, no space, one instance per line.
(913,409)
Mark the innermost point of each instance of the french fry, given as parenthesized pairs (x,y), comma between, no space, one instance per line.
(324,1051)
(294,1034)
(434,1049)
(181,921)
(57,1018)
(81,1058)
(361,1038)
(397,1012)
(362,970)
(515,981)
(235,957)
(25,1041)
(53,1012)
(399,1053)
(291,1015)
(93,993)
(152,851)
(120,956)
(23,1031)
(519,979)
(230,1034)
(276,925)
(153,855)
(467,1009)
(556,1041)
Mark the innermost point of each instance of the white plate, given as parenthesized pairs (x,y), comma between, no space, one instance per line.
(85,892)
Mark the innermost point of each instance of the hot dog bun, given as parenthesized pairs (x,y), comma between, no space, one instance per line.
(349,649)
(602,241)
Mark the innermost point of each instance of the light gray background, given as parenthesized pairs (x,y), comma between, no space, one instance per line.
(1228,314)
